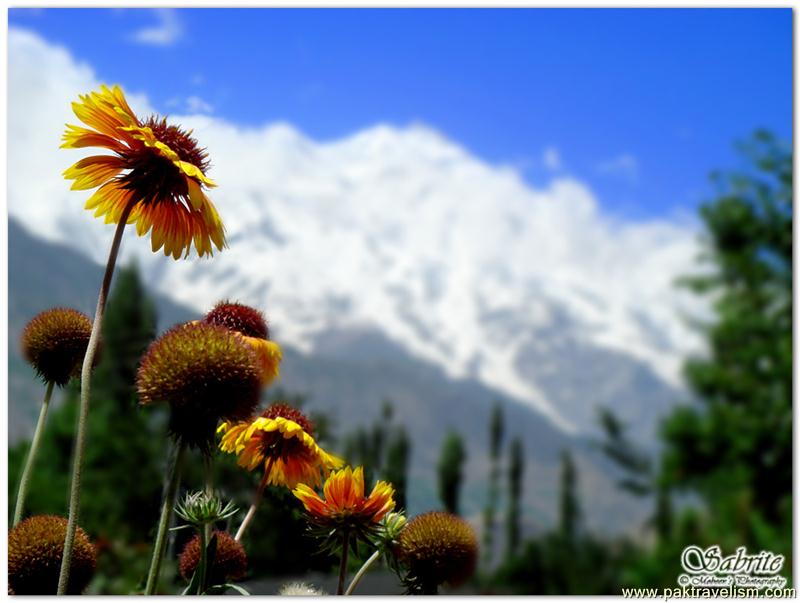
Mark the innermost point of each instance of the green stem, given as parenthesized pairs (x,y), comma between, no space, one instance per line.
(26,472)
(201,586)
(343,564)
(357,578)
(205,533)
(86,374)
(170,491)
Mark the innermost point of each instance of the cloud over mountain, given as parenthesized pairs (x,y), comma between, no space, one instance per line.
(459,261)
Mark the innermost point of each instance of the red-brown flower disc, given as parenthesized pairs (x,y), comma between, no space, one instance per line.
(438,548)
(238,317)
(230,559)
(55,341)
(35,548)
(206,374)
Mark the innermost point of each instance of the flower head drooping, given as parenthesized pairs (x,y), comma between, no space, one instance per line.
(344,504)
(230,559)
(35,547)
(281,440)
(206,373)
(437,548)
(156,166)
(250,324)
(55,341)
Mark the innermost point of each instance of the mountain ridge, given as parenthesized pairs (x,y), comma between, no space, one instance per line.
(347,376)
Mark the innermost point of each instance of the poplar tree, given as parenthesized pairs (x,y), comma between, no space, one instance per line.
(516,469)
(450,471)
(495,445)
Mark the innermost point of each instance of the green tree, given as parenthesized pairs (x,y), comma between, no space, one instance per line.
(122,468)
(398,453)
(735,448)
(516,470)
(366,446)
(122,473)
(569,509)
(495,445)
(127,441)
(451,464)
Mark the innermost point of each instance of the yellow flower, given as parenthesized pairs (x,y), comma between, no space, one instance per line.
(281,440)
(157,168)
(344,503)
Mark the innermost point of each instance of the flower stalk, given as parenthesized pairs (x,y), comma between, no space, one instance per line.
(26,472)
(363,570)
(343,564)
(251,512)
(83,413)
(170,492)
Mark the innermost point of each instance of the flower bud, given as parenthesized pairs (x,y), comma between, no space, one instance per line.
(200,509)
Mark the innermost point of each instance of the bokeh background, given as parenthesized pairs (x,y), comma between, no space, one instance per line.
(533,266)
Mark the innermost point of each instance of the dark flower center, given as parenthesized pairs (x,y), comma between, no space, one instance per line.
(154,178)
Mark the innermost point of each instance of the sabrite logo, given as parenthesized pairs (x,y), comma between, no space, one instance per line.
(709,568)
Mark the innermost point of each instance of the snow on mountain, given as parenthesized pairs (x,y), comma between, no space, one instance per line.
(461,262)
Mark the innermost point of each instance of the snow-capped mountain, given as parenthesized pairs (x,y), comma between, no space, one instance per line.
(535,292)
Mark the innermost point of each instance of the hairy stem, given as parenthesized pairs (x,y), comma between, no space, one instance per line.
(360,574)
(26,472)
(173,478)
(86,374)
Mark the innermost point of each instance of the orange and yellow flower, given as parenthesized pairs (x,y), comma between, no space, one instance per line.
(281,440)
(157,172)
(344,502)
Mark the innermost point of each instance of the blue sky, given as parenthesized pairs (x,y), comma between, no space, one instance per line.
(639,104)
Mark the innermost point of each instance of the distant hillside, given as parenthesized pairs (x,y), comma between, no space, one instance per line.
(348,375)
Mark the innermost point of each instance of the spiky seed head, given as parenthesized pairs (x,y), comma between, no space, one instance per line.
(438,548)
(238,317)
(206,374)
(55,341)
(230,559)
(35,548)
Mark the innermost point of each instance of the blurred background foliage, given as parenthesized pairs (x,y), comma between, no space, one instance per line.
(723,473)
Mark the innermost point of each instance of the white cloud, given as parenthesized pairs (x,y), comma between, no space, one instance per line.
(166,32)
(551,159)
(382,213)
(624,165)
(195,104)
